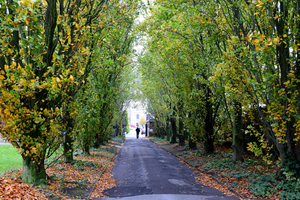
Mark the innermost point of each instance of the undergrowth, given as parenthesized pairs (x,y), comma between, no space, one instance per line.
(260,181)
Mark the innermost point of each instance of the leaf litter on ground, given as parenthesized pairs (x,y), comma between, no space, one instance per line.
(87,176)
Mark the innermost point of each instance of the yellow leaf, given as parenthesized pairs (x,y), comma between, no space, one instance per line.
(284,35)
(71,78)
(33,150)
(286,83)
(38,120)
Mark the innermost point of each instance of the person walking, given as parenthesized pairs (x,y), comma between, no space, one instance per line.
(137,132)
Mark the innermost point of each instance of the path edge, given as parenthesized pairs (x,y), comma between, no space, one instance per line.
(195,168)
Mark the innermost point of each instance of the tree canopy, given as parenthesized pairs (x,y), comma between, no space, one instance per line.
(210,64)
(61,61)
(211,71)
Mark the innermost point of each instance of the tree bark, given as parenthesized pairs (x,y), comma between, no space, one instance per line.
(192,143)
(181,133)
(97,142)
(237,134)
(209,124)
(68,148)
(68,142)
(168,129)
(86,142)
(34,172)
(86,150)
(174,130)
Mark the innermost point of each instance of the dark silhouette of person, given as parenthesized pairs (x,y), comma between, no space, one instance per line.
(137,132)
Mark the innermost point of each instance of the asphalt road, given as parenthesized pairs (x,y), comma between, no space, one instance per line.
(142,168)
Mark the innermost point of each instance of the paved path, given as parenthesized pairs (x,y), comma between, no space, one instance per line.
(5,143)
(142,168)
(132,134)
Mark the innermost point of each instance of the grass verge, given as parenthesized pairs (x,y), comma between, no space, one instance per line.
(9,158)
(77,180)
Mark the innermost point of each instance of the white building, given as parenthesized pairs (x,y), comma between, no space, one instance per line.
(135,112)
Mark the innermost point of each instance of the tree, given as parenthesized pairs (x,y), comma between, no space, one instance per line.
(254,45)
(269,54)
(142,121)
(107,84)
(127,122)
(186,51)
(46,55)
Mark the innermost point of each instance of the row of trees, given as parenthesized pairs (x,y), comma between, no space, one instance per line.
(208,65)
(64,68)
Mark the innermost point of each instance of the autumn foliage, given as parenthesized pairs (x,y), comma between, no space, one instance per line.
(58,60)
(8,188)
(225,72)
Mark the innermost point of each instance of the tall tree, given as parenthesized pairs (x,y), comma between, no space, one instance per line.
(46,54)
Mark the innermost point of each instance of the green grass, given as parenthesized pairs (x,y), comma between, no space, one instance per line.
(9,158)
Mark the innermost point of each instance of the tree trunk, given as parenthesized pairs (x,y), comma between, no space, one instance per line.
(181,133)
(237,134)
(68,143)
(209,143)
(192,143)
(86,141)
(174,131)
(162,133)
(209,124)
(118,130)
(68,148)
(101,139)
(34,172)
(168,130)
(97,142)
(86,150)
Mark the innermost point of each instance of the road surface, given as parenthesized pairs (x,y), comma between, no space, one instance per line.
(145,171)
